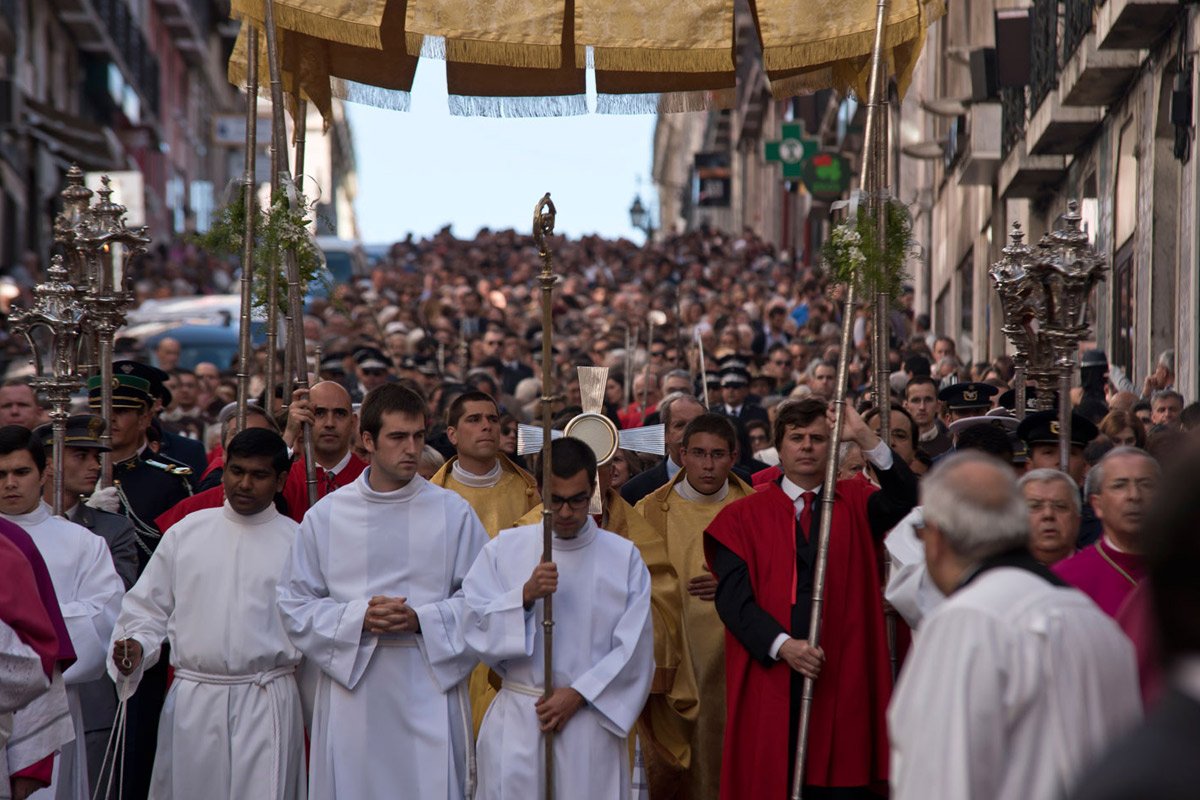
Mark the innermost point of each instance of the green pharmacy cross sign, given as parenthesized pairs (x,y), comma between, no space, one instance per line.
(792,150)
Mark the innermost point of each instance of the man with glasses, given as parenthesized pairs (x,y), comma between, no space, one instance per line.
(603,644)
(680,511)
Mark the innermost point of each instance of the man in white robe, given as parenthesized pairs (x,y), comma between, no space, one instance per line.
(1017,681)
(603,646)
(87,585)
(372,595)
(231,725)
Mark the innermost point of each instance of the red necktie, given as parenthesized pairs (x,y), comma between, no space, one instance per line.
(329,482)
(806,514)
(804,522)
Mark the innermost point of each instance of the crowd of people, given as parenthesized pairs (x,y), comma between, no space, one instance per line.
(993,625)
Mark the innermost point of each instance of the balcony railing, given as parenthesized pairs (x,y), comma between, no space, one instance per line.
(1043,56)
(1077,21)
(133,49)
(1012,119)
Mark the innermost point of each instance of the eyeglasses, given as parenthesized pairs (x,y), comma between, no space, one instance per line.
(657,353)
(575,503)
(703,455)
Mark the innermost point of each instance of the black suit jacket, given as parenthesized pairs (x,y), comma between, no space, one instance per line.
(1160,759)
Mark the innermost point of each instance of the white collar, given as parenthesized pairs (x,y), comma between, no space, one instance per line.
(689,492)
(585,536)
(794,492)
(341,465)
(672,468)
(37,516)
(484,481)
(401,495)
(268,514)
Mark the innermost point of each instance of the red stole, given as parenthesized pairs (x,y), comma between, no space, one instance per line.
(848,743)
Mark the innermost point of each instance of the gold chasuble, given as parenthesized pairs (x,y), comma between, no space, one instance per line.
(681,522)
(661,728)
(498,506)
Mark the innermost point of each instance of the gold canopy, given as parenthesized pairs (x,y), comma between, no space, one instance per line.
(530,57)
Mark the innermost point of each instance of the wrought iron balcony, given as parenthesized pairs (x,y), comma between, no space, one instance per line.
(1043,56)
(132,48)
(1012,119)
(1077,21)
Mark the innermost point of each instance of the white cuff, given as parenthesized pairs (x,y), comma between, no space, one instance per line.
(775,645)
(880,456)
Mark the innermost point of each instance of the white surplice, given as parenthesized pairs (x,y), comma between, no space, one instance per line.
(231,725)
(909,588)
(89,594)
(391,716)
(22,680)
(603,648)
(1014,686)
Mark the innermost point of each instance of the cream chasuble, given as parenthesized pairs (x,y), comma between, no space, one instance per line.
(681,522)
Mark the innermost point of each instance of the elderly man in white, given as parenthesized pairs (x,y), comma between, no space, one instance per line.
(1017,681)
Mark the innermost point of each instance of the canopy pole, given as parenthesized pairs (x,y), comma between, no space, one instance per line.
(839,404)
(280,178)
(244,347)
(543,226)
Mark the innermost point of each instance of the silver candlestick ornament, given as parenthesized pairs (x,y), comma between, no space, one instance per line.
(51,328)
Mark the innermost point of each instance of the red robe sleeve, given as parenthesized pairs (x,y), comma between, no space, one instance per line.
(848,743)
(209,498)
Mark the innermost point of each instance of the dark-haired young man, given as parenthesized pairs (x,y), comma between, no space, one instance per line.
(763,549)
(604,644)
(921,402)
(371,594)
(680,511)
(85,581)
(232,725)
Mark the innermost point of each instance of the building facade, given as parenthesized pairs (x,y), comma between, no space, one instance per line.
(1086,100)
(136,87)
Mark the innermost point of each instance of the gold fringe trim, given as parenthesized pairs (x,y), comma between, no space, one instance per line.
(641,59)
(334,29)
(504,54)
(804,83)
(413,41)
(838,48)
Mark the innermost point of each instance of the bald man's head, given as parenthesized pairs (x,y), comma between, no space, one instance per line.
(335,422)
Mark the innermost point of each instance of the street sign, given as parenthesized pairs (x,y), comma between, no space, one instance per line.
(791,150)
(714,179)
(826,175)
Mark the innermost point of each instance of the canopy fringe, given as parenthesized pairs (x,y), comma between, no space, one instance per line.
(641,59)
(367,95)
(838,48)
(518,107)
(666,102)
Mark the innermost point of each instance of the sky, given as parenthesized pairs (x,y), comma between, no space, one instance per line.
(422,169)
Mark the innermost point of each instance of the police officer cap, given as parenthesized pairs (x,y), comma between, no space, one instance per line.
(1009,399)
(156,377)
(128,391)
(968,395)
(372,358)
(83,430)
(1041,427)
(735,376)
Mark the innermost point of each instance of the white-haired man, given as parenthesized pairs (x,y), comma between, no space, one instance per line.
(1017,682)
(1054,512)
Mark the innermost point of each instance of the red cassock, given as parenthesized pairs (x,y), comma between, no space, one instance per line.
(847,743)
(295,491)
(209,498)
